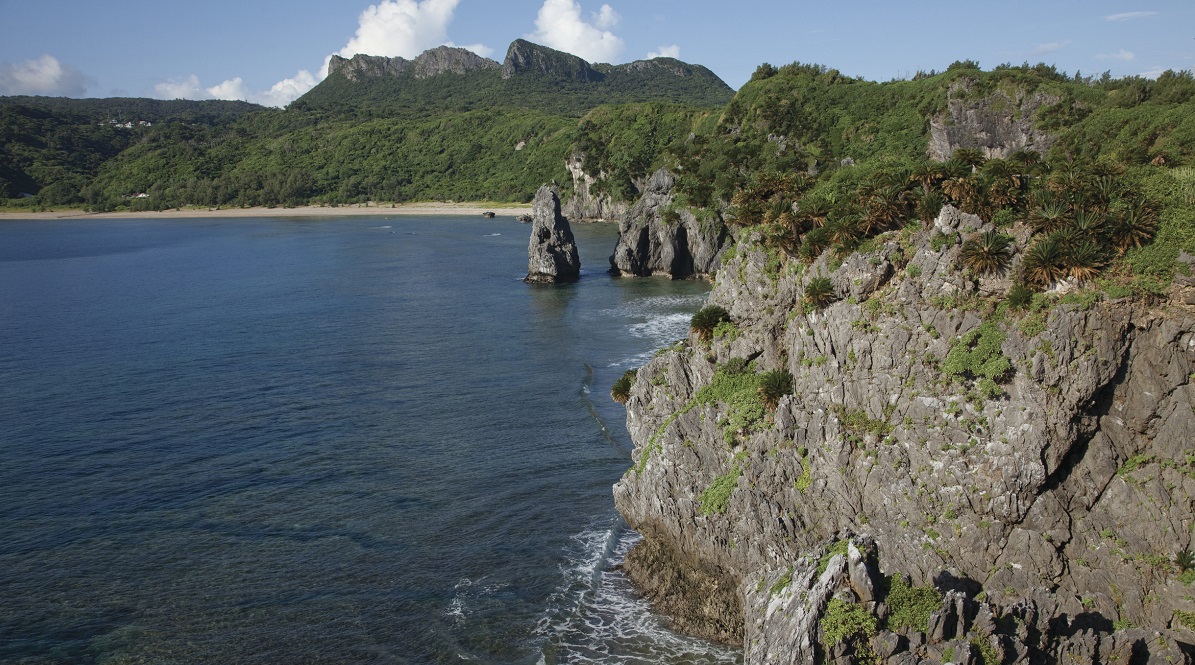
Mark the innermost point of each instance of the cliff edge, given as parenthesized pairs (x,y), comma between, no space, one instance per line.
(1029,473)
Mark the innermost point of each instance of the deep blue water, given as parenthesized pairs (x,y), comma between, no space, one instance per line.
(285,441)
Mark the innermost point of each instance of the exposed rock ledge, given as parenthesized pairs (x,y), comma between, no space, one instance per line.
(1053,511)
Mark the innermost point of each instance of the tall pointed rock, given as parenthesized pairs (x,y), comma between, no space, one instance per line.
(552,253)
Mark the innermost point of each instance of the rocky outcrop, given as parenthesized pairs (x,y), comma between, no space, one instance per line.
(523,57)
(1057,498)
(998,122)
(586,205)
(659,238)
(441,60)
(552,253)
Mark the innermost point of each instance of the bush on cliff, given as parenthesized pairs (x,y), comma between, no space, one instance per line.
(621,390)
(707,319)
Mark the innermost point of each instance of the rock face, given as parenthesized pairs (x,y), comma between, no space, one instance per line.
(655,238)
(583,204)
(523,57)
(441,60)
(1053,504)
(551,253)
(998,123)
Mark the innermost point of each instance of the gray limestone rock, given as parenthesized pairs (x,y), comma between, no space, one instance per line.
(1049,496)
(551,253)
(656,238)
(999,124)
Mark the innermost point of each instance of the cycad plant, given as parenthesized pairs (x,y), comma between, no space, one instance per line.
(1042,263)
(773,386)
(1084,261)
(1049,213)
(621,390)
(819,292)
(813,244)
(706,319)
(1134,227)
(987,254)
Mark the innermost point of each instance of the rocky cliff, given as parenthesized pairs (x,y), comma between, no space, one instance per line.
(659,237)
(1038,516)
(999,122)
(440,60)
(552,251)
(585,204)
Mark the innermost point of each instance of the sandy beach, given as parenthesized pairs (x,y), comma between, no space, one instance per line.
(429,208)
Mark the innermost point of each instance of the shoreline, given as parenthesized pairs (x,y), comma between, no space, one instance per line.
(356,210)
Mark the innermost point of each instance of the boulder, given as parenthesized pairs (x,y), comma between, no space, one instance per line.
(552,253)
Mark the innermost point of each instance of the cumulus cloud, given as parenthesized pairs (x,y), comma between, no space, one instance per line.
(1128,16)
(402,28)
(391,28)
(561,25)
(42,76)
(665,52)
(1043,49)
(188,88)
(1119,55)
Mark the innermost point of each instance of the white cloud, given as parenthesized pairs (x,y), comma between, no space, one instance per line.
(402,28)
(43,76)
(188,88)
(391,28)
(665,52)
(1128,16)
(1153,73)
(561,26)
(1119,55)
(1043,49)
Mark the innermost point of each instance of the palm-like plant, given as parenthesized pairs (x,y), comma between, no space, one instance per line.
(706,319)
(886,207)
(929,207)
(1185,560)
(1134,228)
(1049,213)
(1042,263)
(987,254)
(621,390)
(816,209)
(813,244)
(1084,261)
(1019,296)
(1089,223)
(845,231)
(972,157)
(773,386)
(819,292)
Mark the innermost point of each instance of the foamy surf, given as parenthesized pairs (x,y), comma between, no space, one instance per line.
(597,617)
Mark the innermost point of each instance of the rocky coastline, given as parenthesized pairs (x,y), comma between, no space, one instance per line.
(1039,521)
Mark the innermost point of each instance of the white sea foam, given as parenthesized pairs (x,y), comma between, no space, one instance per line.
(597,617)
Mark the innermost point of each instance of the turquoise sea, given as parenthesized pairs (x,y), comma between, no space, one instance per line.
(358,440)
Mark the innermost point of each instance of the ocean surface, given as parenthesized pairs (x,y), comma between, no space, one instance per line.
(351,440)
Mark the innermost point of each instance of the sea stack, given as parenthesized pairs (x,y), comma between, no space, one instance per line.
(552,253)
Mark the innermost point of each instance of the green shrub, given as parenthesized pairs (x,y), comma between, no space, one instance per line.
(940,241)
(848,622)
(977,354)
(910,607)
(715,497)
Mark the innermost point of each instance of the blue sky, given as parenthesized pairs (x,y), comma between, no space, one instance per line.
(270,52)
